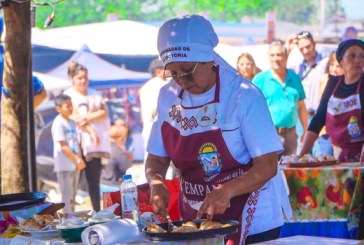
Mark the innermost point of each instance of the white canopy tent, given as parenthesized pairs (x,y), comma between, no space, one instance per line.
(122,37)
(126,37)
(53,83)
(101,73)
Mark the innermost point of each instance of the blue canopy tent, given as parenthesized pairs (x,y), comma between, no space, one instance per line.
(102,74)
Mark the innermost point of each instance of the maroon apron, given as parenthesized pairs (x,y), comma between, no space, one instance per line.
(194,141)
(344,125)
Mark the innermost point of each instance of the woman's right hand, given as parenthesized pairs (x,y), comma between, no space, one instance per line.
(159,198)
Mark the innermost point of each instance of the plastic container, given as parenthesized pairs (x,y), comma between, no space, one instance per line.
(129,197)
(72,234)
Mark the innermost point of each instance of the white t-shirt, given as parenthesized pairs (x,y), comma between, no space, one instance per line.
(248,131)
(63,130)
(149,99)
(85,105)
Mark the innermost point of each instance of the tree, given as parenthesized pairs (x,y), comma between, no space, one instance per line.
(87,11)
(333,7)
(14,112)
(299,12)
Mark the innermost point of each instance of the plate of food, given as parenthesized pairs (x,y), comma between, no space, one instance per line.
(40,226)
(190,230)
(296,161)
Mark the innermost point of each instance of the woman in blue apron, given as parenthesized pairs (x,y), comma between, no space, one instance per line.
(216,128)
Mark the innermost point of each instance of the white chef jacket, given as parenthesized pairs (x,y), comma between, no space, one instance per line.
(248,131)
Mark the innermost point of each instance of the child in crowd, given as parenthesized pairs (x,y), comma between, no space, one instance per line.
(67,161)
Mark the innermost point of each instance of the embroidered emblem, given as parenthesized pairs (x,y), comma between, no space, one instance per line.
(207,115)
(189,123)
(210,160)
(175,114)
(351,103)
(252,203)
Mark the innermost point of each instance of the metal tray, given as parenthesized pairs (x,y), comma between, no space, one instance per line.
(192,235)
(310,165)
(17,201)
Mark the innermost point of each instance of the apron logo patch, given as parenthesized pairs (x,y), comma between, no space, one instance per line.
(210,160)
(354,130)
(207,115)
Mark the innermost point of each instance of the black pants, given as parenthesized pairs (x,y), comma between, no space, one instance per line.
(93,174)
(264,236)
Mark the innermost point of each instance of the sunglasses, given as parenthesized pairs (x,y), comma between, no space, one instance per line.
(246,63)
(184,77)
(304,34)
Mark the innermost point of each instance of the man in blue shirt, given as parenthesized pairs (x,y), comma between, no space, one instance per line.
(285,96)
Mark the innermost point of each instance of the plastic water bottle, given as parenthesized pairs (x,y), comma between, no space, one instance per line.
(129,197)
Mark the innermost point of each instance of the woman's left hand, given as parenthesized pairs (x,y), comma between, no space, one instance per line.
(215,203)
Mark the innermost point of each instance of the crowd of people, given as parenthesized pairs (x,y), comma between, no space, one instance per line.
(297,93)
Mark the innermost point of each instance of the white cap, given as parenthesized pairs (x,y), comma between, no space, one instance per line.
(190,38)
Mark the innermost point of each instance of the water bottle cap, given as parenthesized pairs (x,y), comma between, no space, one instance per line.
(127,176)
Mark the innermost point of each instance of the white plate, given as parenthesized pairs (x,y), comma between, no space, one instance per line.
(101,220)
(46,233)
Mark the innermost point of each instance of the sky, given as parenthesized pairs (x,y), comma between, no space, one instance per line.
(354,9)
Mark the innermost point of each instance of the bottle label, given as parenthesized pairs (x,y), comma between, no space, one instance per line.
(129,201)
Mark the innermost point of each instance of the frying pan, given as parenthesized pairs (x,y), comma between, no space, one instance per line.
(18,201)
(192,235)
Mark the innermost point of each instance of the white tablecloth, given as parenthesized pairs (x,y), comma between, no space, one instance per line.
(22,240)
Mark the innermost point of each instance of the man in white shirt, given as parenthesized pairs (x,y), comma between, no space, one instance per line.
(149,97)
(310,68)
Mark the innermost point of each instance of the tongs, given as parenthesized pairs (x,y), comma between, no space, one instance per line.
(171,226)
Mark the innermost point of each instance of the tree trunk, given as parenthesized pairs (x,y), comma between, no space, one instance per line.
(16,77)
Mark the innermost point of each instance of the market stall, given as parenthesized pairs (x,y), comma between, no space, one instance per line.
(326,201)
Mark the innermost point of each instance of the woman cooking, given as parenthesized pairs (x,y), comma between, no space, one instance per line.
(340,106)
(216,128)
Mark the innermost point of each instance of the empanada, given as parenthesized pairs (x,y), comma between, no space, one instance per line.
(183,229)
(190,224)
(208,224)
(43,219)
(155,228)
(30,224)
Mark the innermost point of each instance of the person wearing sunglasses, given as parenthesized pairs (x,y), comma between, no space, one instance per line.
(310,67)
(216,128)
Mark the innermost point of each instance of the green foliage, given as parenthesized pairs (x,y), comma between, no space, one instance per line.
(332,7)
(74,12)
